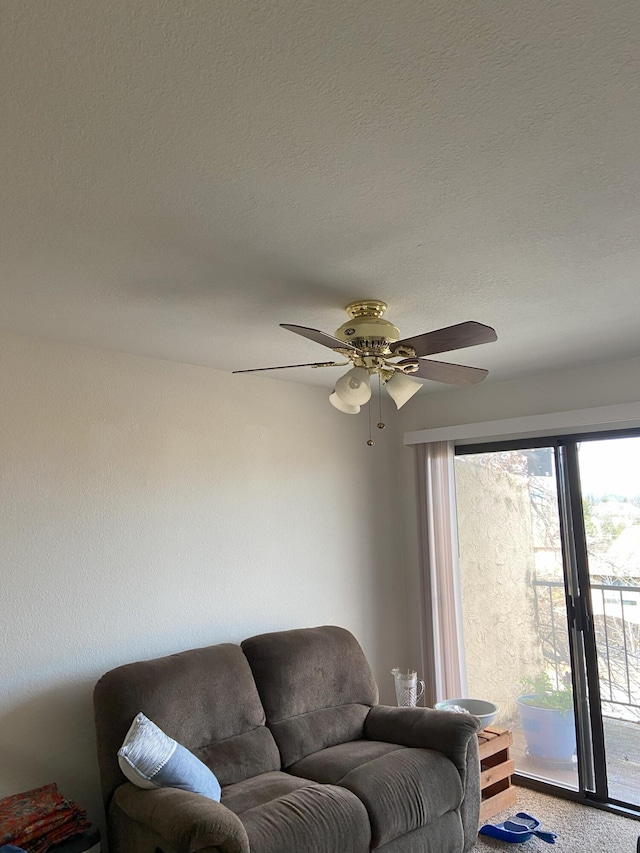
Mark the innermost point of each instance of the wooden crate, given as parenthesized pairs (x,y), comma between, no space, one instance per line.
(496,767)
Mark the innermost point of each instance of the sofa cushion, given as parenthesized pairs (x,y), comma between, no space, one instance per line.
(286,814)
(258,790)
(332,765)
(317,730)
(402,788)
(316,687)
(205,699)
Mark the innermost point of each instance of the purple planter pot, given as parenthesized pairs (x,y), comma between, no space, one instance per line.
(550,734)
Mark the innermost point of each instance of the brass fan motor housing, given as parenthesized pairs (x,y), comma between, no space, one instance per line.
(365,328)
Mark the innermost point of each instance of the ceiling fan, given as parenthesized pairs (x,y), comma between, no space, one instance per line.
(373,346)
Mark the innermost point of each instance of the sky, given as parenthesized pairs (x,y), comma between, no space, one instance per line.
(610,467)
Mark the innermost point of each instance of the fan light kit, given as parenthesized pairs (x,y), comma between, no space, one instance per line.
(372,345)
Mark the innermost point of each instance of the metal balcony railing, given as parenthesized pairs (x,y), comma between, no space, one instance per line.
(616,618)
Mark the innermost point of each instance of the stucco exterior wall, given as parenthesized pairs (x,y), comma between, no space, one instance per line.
(496,568)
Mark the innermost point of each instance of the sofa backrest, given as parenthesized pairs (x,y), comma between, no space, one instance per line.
(316,687)
(206,699)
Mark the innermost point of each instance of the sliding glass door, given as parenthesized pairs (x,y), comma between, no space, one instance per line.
(610,485)
(549,542)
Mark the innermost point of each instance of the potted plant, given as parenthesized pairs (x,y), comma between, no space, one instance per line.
(546,713)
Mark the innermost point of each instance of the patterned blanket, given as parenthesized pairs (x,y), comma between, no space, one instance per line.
(36,819)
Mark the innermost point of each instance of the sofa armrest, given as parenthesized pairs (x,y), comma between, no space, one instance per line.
(188,822)
(422,727)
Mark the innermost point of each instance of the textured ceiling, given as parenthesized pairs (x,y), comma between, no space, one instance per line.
(180,177)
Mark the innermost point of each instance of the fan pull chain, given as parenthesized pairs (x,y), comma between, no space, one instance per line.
(370,441)
(380,421)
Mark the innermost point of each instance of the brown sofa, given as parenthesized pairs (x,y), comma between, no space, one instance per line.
(309,762)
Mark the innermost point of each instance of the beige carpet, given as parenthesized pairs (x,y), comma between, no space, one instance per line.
(580,829)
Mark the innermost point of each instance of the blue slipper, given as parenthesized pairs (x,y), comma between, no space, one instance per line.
(521,827)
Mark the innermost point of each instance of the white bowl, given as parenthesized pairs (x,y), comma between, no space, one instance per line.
(486,711)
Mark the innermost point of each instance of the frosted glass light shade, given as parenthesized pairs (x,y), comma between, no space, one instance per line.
(342,407)
(354,388)
(401,388)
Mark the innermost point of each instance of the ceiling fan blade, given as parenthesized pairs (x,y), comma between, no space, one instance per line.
(442,371)
(288,366)
(461,335)
(319,337)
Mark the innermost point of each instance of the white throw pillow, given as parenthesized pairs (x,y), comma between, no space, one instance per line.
(151,759)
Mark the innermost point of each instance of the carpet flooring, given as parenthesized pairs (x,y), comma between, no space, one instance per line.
(580,829)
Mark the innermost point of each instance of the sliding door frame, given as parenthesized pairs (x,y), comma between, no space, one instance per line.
(591,754)
(592,768)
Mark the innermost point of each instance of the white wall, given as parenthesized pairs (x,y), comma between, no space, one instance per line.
(557,391)
(149,507)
